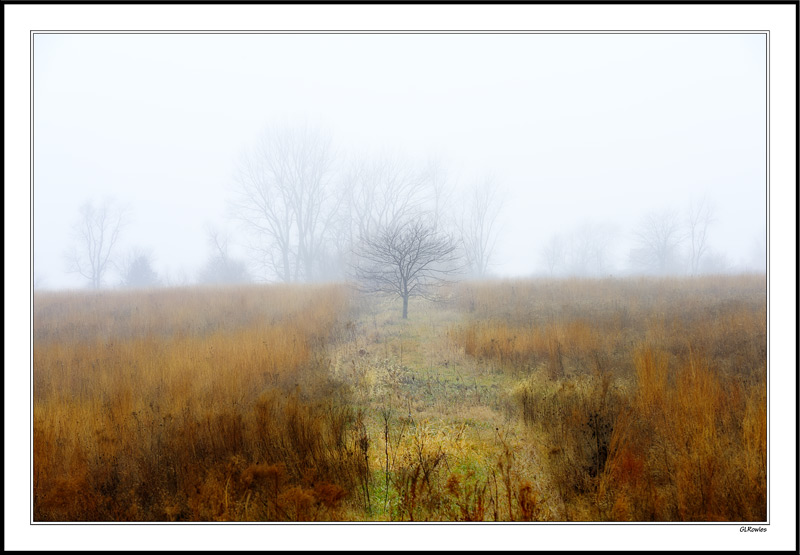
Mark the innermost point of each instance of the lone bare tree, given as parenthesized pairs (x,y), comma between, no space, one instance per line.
(97,232)
(410,259)
(478,228)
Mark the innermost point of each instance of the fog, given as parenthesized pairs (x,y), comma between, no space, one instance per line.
(589,142)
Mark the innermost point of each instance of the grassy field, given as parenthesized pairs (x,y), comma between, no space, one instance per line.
(540,400)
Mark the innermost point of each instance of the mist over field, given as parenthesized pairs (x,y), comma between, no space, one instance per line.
(208,158)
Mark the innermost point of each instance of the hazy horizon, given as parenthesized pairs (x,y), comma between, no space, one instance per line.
(586,134)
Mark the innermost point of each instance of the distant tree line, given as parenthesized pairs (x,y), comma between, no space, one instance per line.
(307,213)
(664,242)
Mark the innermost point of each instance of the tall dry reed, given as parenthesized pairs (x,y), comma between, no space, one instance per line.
(192,404)
(649,394)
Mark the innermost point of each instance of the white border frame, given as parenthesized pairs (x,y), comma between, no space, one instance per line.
(778,19)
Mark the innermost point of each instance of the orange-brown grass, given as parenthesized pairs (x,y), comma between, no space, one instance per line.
(648,395)
(192,404)
(692,445)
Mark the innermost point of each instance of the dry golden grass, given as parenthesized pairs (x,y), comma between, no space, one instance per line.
(190,405)
(638,399)
(649,395)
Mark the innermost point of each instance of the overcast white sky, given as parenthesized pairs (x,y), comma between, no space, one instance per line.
(597,128)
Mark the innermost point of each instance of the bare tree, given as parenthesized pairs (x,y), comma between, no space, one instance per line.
(138,270)
(283,197)
(410,259)
(658,239)
(439,194)
(382,192)
(698,219)
(478,228)
(97,232)
(221,268)
(554,254)
(588,249)
(582,252)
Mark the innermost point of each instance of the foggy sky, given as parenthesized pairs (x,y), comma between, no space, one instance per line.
(579,129)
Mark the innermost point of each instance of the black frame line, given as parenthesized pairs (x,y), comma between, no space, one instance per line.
(412,2)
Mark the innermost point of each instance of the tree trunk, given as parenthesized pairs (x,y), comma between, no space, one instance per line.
(405,307)
(287,269)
